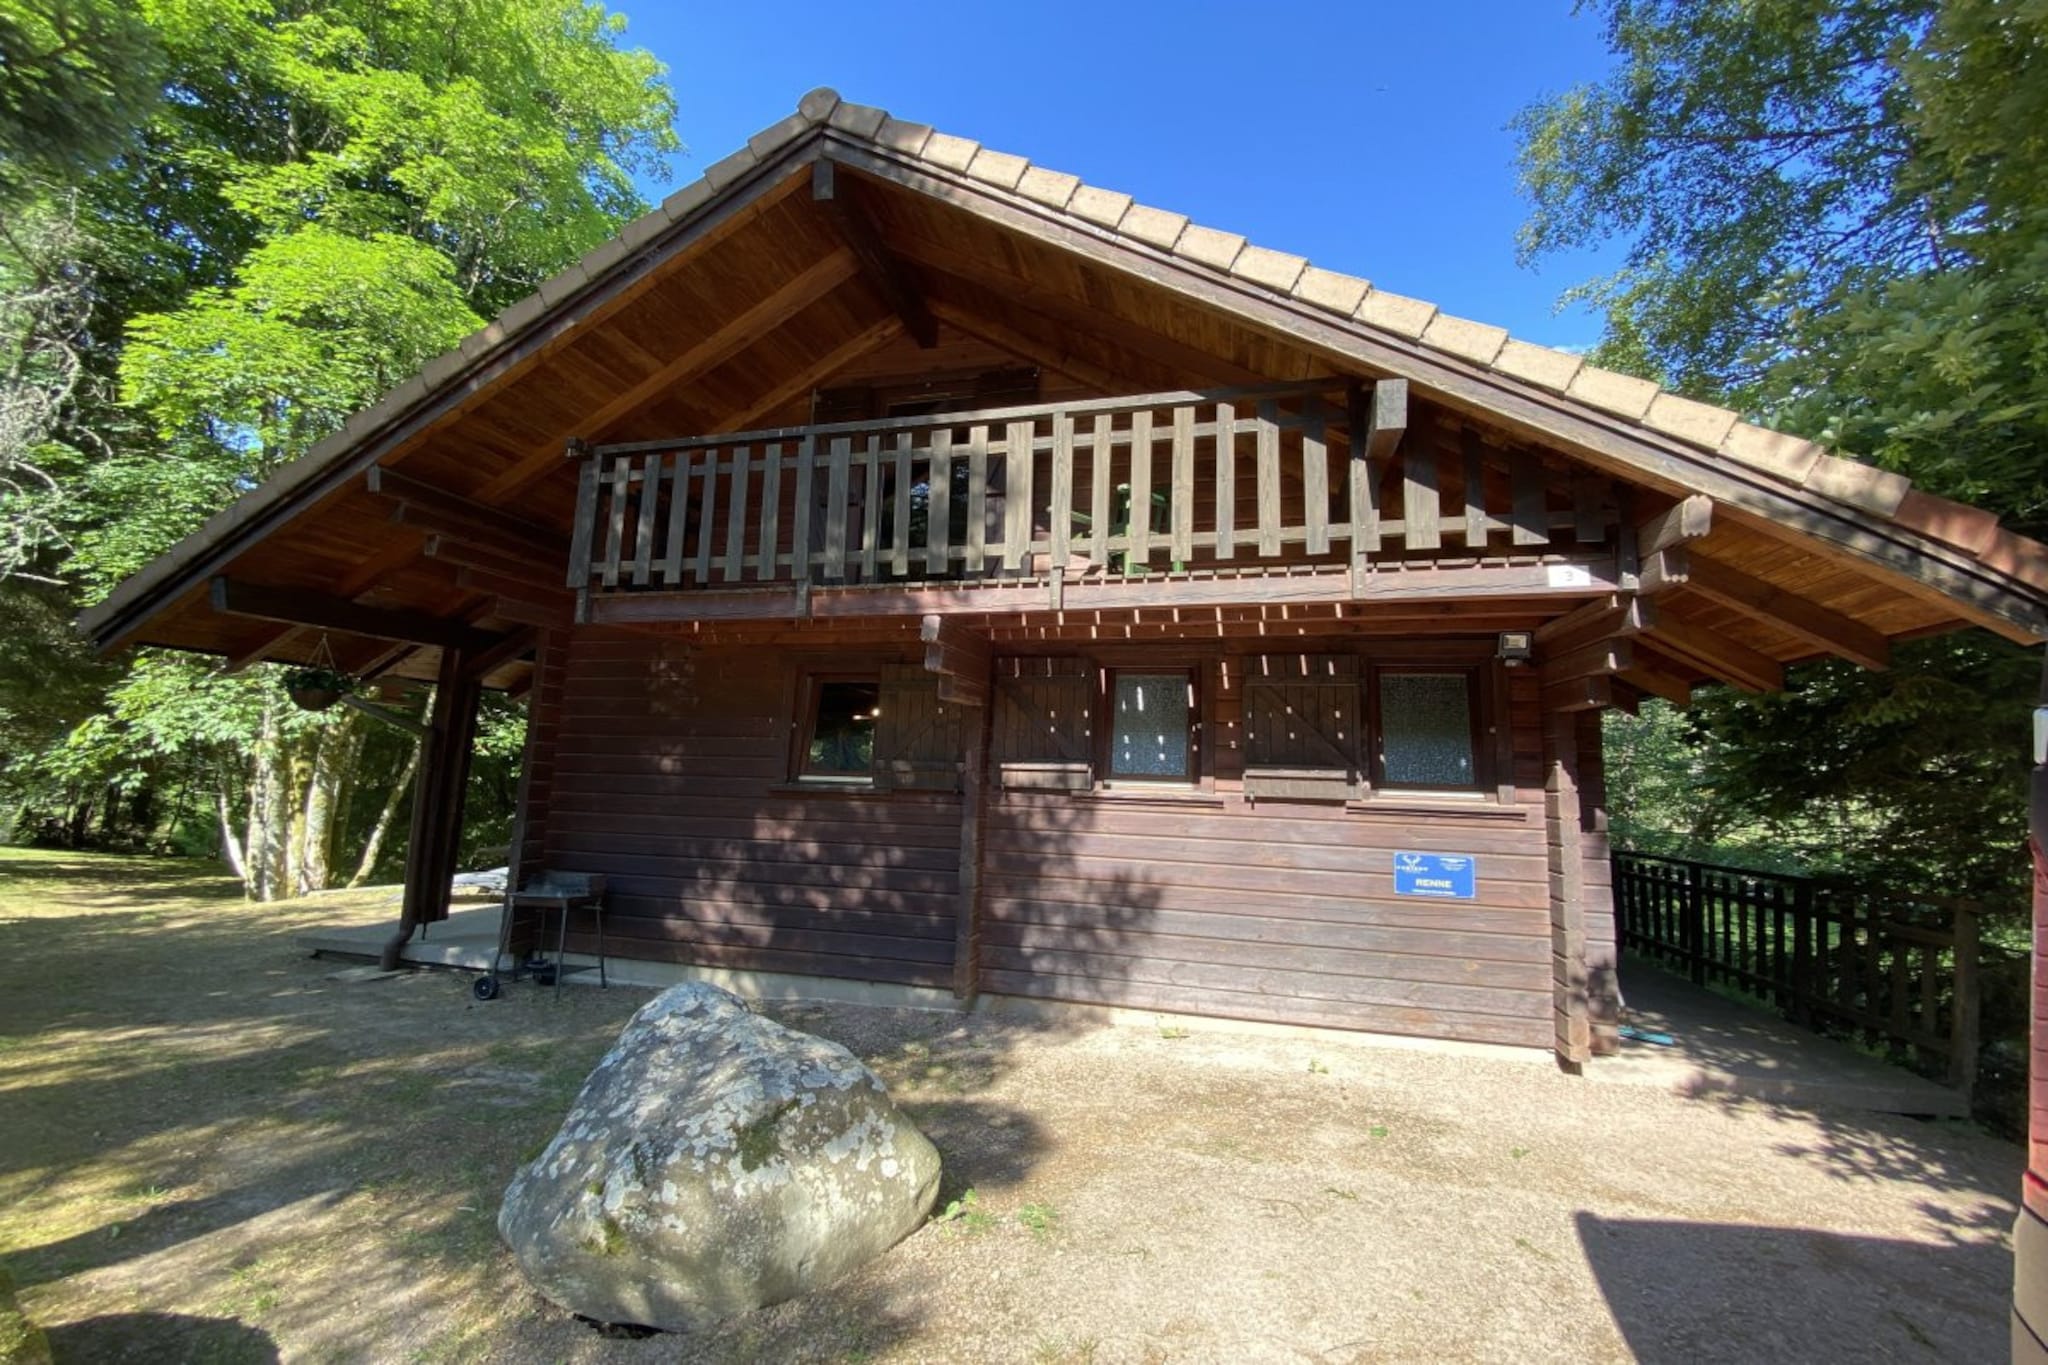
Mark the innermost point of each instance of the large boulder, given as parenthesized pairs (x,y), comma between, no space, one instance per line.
(715,1162)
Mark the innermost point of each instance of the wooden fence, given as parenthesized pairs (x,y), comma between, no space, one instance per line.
(1897,970)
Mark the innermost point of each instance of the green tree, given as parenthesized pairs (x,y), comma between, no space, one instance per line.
(1837,221)
(327,193)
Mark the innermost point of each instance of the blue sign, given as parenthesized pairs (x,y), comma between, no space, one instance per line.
(1446,876)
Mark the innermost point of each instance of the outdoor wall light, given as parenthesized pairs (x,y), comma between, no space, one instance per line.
(1517,646)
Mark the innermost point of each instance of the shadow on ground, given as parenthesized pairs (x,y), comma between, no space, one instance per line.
(1671,1285)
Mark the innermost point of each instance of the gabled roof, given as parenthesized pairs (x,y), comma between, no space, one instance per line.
(1936,550)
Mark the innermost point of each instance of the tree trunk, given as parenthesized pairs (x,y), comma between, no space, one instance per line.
(401,785)
(332,768)
(266,847)
(230,846)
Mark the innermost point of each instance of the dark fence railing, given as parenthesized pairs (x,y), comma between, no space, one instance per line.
(1898,970)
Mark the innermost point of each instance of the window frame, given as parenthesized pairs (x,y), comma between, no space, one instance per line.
(810,694)
(1477,706)
(1108,779)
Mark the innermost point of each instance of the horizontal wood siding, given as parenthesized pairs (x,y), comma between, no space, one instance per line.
(669,773)
(671,777)
(1277,910)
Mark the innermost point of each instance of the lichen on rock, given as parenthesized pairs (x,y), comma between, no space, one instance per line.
(715,1162)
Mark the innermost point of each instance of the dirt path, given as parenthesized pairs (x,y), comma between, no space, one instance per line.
(212,1150)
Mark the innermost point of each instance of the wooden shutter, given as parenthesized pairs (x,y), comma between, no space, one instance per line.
(1044,723)
(917,736)
(1303,721)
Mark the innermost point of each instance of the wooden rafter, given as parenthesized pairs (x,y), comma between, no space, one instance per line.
(1045,354)
(814,282)
(1816,625)
(796,385)
(959,655)
(841,202)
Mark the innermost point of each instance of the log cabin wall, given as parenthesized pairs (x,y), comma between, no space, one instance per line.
(670,770)
(671,776)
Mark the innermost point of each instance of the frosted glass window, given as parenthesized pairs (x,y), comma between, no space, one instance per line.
(1150,736)
(1426,729)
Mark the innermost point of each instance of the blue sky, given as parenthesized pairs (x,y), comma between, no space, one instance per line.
(1369,137)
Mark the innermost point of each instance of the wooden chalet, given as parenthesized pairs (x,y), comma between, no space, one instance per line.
(927,568)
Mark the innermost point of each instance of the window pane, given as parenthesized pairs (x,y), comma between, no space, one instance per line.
(1426,729)
(1151,734)
(843,737)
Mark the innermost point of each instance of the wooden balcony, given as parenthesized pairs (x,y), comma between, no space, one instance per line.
(1299,492)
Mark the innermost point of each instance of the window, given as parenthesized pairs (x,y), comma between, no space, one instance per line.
(839,741)
(1151,735)
(1426,729)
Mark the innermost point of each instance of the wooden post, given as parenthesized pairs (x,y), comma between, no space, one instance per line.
(436,829)
(1692,929)
(1569,985)
(1962,1054)
(973,805)
(1802,952)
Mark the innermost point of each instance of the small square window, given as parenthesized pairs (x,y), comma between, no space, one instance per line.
(840,739)
(1426,730)
(1150,736)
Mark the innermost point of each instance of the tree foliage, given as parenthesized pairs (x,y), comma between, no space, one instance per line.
(1837,217)
(278,209)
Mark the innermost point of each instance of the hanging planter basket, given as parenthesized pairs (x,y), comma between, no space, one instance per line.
(316,689)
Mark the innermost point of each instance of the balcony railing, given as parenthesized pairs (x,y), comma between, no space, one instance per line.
(1273,477)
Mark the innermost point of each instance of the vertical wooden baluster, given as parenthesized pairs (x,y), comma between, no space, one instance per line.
(643,520)
(615,530)
(1531,516)
(735,566)
(586,523)
(838,487)
(1226,480)
(1315,477)
(939,505)
(707,509)
(1181,500)
(800,514)
(1020,499)
(1269,477)
(1475,491)
(977,500)
(678,520)
(769,553)
(871,505)
(1062,529)
(1103,452)
(899,539)
(1140,552)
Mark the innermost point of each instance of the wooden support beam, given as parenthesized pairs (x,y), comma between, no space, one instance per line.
(1386,417)
(1595,660)
(1615,616)
(1562,818)
(960,656)
(1660,677)
(700,357)
(458,511)
(1663,571)
(1686,520)
(437,801)
(973,808)
(1580,694)
(1727,659)
(1040,352)
(1816,625)
(483,662)
(541,582)
(841,201)
(320,612)
(802,381)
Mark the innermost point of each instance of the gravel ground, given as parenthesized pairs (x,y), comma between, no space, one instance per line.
(215,1151)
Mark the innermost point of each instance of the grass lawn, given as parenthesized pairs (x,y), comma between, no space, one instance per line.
(211,1149)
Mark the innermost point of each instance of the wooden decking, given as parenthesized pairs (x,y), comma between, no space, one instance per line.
(1295,492)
